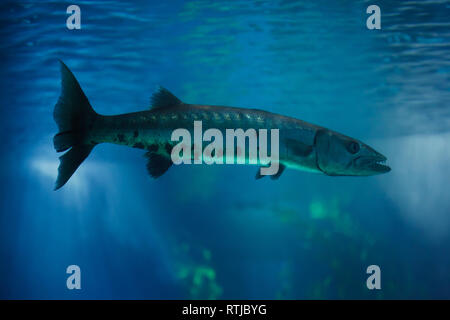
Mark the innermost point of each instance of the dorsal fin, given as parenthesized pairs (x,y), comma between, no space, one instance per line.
(163,98)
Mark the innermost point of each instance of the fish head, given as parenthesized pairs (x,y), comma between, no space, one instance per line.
(339,155)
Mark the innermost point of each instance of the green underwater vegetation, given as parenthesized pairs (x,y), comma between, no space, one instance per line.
(324,233)
(196,272)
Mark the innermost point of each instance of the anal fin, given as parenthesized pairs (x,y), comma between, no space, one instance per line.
(157,164)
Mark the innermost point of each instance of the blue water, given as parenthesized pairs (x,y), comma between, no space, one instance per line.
(215,232)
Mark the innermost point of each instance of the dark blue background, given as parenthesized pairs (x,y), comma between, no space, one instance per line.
(215,232)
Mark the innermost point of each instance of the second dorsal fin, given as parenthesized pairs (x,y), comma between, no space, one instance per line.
(163,98)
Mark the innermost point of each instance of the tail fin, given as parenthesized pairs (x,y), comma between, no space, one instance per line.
(73,114)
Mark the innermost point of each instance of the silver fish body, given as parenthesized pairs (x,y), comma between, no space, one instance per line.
(302,145)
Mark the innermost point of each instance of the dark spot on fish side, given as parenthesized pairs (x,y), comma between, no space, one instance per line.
(121,137)
(139,145)
(136,133)
(153,148)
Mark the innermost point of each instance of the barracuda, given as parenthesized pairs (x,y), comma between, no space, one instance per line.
(302,146)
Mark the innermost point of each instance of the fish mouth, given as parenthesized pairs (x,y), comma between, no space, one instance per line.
(372,164)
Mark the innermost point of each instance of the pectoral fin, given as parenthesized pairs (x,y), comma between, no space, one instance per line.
(157,164)
(298,148)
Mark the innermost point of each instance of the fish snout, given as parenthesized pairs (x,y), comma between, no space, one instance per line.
(371,164)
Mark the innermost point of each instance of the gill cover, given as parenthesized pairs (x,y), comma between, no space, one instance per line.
(322,142)
(335,153)
(339,155)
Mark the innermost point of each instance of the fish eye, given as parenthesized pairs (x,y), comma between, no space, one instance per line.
(353,147)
